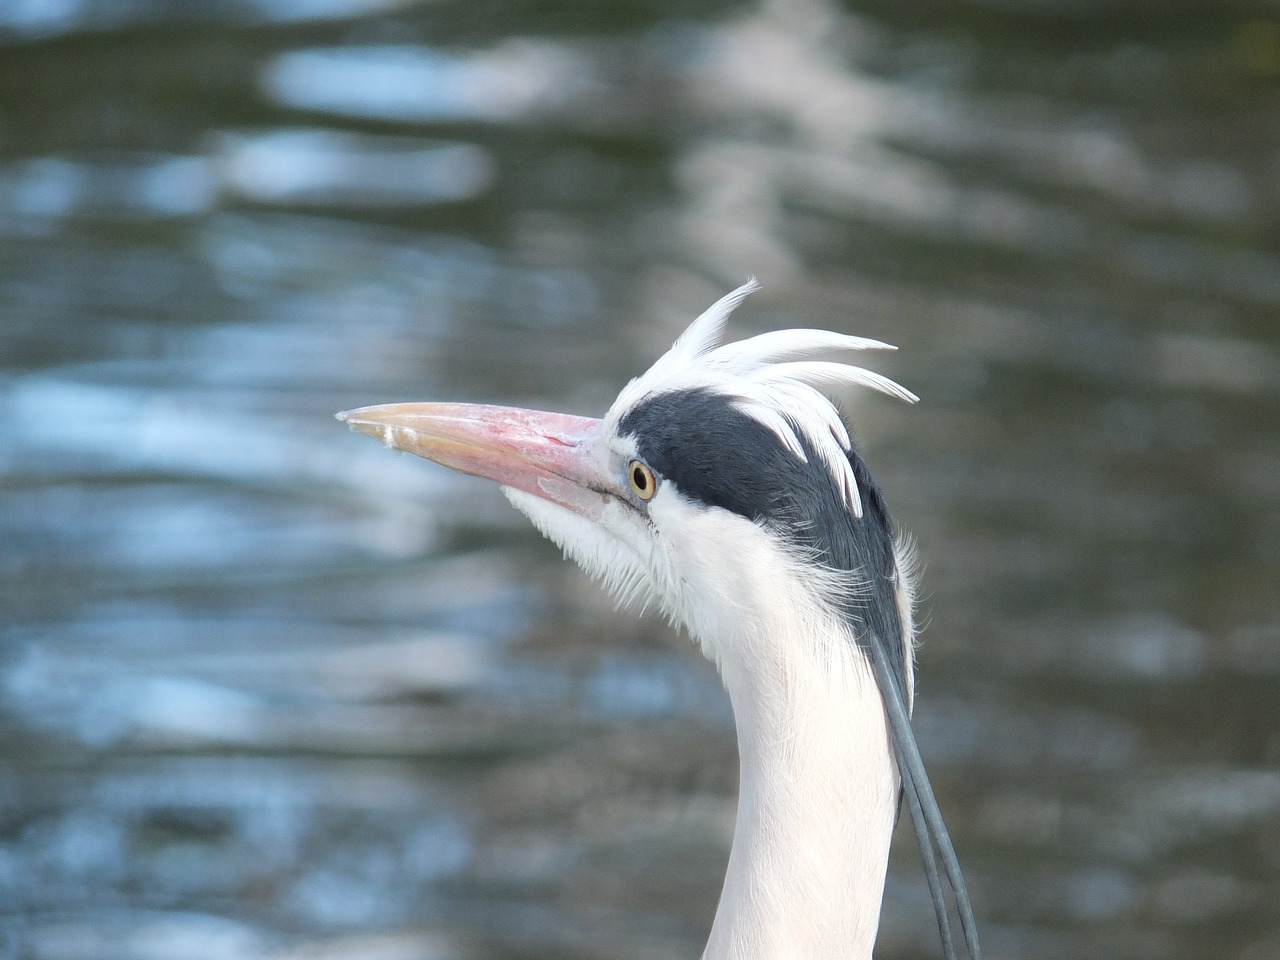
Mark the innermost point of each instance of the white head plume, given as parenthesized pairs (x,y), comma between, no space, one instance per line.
(768,382)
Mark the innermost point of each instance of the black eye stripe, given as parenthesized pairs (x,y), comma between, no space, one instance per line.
(712,453)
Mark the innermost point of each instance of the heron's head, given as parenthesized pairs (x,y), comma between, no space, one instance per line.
(718,474)
(722,486)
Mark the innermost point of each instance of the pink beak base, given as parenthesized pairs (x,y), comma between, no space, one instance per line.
(550,455)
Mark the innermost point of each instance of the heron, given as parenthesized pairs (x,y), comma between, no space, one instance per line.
(722,487)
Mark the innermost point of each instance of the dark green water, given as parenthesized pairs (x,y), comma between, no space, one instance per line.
(268,691)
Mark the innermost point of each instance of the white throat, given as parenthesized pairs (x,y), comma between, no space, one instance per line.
(816,810)
(818,784)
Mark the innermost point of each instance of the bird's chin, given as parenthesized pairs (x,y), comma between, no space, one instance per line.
(598,544)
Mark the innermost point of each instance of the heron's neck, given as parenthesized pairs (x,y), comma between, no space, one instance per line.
(817,800)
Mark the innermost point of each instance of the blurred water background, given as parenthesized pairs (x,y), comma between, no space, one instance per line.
(270,691)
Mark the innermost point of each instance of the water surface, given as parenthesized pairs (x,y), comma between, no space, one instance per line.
(267,690)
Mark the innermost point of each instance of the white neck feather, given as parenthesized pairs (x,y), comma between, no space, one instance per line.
(818,784)
(815,810)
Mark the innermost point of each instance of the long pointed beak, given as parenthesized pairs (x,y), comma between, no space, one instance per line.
(550,455)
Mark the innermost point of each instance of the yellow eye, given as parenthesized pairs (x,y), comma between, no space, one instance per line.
(643,482)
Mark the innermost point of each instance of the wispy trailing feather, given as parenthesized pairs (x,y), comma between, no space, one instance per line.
(769,382)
